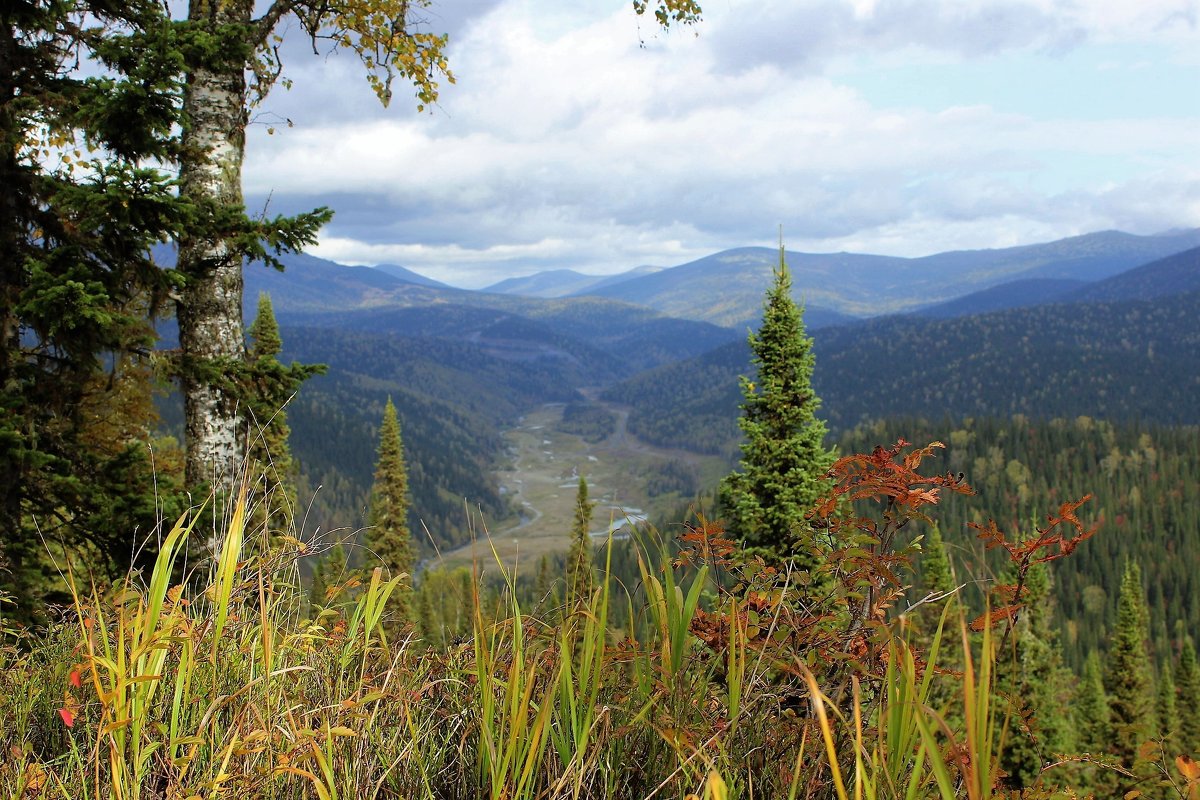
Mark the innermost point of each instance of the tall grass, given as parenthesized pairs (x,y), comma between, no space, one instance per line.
(230,687)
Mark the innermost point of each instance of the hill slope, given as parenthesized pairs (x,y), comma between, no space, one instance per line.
(1015,294)
(1174,274)
(1130,360)
(727,288)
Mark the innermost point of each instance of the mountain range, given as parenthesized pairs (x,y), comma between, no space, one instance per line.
(1104,325)
(1127,347)
(726,288)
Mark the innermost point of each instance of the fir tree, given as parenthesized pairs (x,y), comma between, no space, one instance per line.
(77,282)
(1093,724)
(427,621)
(937,571)
(1188,681)
(1037,684)
(270,386)
(784,458)
(545,592)
(580,578)
(1166,712)
(388,538)
(330,571)
(1128,679)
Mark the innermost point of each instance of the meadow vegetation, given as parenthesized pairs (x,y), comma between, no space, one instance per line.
(729,677)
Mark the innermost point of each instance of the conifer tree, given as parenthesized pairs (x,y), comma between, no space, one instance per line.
(1092,723)
(1166,712)
(329,571)
(1188,681)
(1037,684)
(784,458)
(545,592)
(580,579)
(388,538)
(77,282)
(1128,679)
(270,386)
(427,621)
(937,571)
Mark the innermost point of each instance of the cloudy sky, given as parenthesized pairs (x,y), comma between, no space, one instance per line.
(578,136)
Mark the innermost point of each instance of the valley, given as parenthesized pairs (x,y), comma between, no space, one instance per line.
(538,475)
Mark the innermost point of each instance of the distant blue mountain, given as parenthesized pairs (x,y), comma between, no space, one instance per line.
(1174,274)
(407,275)
(547,284)
(563,282)
(727,288)
(1014,294)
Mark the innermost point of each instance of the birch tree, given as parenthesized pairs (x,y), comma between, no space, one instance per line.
(232,60)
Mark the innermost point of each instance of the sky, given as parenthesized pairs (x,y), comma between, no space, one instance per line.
(579,136)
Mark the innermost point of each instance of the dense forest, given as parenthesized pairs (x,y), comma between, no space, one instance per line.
(1133,360)
(1145,501)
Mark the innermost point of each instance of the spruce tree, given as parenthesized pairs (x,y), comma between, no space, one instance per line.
(1037,684)
(580,579)
(329,571)
(784,458)
(545,591)
(1093,724)
(1166,712)
(77,283)
(388,538)
(936,570)
(428,623)
(1188,681)
(1128,678)
(270,385)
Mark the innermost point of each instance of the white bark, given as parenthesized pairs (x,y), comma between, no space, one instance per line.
(210,309)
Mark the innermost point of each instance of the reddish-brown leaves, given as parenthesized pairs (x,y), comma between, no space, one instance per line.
(705,543)
(1063,533)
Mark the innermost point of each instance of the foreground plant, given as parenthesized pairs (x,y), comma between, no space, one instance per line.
(730,678)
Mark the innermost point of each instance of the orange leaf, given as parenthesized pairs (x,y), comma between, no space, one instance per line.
(1188,768)
(68,717)
(75,681)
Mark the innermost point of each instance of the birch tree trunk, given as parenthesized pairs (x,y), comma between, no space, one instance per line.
(210,308)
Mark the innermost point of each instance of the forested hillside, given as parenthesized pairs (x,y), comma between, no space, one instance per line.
(727,287)
(1146,501)
(452,398)
(1117,360)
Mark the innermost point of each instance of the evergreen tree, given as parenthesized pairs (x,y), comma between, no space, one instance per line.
(580,577)
(1166,712)
(1128,679)
(1093,724)
(545,591)
(937,571)
(388,538)
(1037,685)
(77,282)
(1188,679)
(784,457)
(427,621)
(270,385)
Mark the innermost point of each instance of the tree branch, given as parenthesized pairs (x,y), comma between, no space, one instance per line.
(267,22)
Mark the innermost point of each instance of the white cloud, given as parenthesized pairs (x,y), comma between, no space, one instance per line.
(566,143)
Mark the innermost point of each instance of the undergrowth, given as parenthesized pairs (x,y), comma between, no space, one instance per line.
(763,684)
